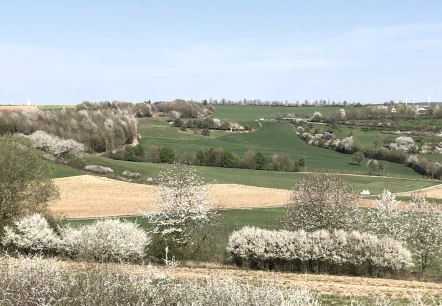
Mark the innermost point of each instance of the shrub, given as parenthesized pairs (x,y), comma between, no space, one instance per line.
(77,162)
(25,180)
(105,240)
(99,169)
(318,251)
(153,154)
(321,201)
(317,117)
(37,281)
(186,109)
(62,150)
(346,145)
(387,218)
(31,234)
(405,144)
(128,174)
(205,132)
(167,155)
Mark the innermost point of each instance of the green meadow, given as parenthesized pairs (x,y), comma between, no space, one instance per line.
(271,138)
(261,178)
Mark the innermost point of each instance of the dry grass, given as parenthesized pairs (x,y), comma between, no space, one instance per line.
(16,107)
(91,196)
(327,284)
(434,192)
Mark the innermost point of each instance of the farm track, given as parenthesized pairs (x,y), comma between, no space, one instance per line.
(90,196)
(325,284)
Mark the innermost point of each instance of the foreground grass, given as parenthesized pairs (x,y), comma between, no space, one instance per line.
(232,220)
(39,281)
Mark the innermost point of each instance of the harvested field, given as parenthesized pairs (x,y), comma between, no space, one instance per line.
(89,196)
(434,192)
(15,108)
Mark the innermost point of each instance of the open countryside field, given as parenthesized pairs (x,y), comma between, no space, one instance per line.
(55,106)
(269,179)
(272,138)
(90,196)
(246,114)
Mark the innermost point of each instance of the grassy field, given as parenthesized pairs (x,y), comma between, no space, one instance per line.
(65,171)
(373,138)
(159,128)
(246,114)
(271,179)
(231,220)
(271,139)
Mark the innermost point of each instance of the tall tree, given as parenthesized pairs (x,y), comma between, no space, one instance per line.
(25,179)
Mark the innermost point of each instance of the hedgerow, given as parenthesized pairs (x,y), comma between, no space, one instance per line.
(319,251)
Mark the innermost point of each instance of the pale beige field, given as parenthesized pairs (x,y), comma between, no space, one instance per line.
(434,192)
(89,196)
(16,108)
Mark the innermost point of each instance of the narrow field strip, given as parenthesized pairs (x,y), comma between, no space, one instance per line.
(88,196)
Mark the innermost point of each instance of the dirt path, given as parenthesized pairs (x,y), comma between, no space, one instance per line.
(325,284)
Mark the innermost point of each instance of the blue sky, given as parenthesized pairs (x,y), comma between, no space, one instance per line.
(65,52)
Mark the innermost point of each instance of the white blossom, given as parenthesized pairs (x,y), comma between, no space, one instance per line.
(425,226)
(61,149)
(32,234)
(333,247)
(108,239)
(184,204)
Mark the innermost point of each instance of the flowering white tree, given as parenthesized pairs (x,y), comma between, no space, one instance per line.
(322,201)
(61,149)
(388,218)
(404,143)
(347,144)
(184,206)
(426,230)
(317,117)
